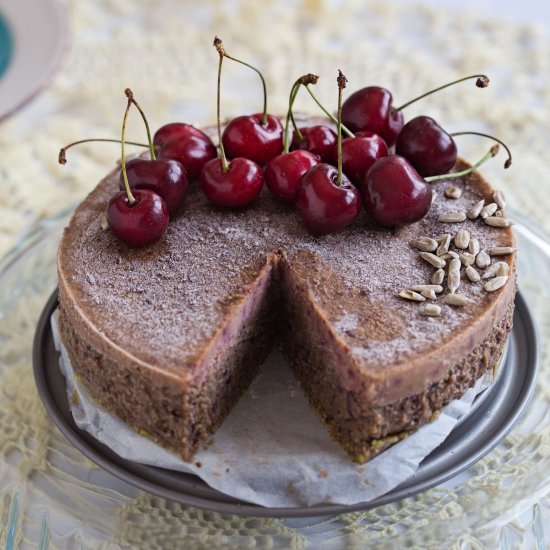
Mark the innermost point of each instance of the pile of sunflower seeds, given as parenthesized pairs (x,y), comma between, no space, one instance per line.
(467,254)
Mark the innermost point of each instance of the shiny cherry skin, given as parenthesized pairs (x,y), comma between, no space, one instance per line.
(166,177)
(429,148)
(394,193)
(186,144)
(236,187)
(141,224)
(324,205)
(319,140)
(247,137)
(360,153)
(284,172)
(177,130)
(370,109)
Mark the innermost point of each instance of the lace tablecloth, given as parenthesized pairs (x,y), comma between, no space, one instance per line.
(162,50)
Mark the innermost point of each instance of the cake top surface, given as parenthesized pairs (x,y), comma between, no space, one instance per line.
(163,302)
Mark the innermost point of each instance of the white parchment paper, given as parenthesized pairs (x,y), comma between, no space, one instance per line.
(272,449)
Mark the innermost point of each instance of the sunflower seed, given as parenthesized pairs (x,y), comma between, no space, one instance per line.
(501,250)
(488,210)
(498,221)
(453,276)
(413,296)
(473,247)
(498,197)
(472,274)
(419,288)
(434,196)
(431,310)
(457,300)
(494,284)
(444,243)
(499,214)
(452,217)
(453,192)
(499,269)
(483,259)
(425,244)
(475,209)
(467,259)
(438,276)
(433,259)
(454,265)
(462,239)
(429,294)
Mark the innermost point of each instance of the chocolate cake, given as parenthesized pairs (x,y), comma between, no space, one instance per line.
(169,337)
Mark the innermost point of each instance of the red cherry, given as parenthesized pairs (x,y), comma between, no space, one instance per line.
(394,193)
(186,144)
(319,140)
(360,153)
(248,137)
(427,146)
(325,205)
(238,186)
(284,172)
(140,224)
(258,137)
(371,109)
(177,130)
(166,177)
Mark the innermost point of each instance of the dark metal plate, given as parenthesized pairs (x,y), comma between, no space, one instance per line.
(494,414)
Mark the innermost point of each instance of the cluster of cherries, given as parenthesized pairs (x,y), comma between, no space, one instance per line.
(327,177)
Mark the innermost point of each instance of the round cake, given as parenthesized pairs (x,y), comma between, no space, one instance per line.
(168,337)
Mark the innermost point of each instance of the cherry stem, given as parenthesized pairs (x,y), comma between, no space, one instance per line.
(63,151)
(306,79)
(219,46)
(481,82)
(294,125)
(328,113)
(292,97)
(508,161)
(130,96)
(490,154)
(131,198)
(341,85)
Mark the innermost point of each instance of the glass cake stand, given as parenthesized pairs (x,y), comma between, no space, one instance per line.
(52,496)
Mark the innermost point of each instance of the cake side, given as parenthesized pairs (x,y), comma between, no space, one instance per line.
(365,427)
(176,413)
